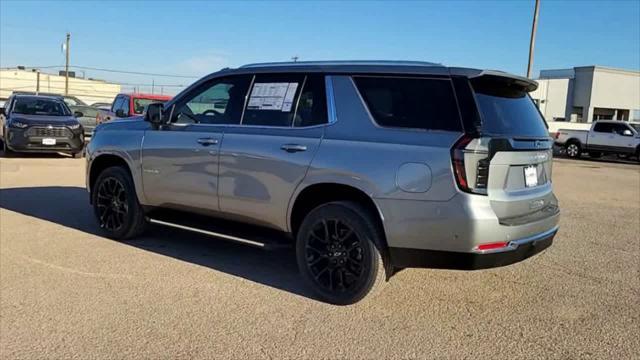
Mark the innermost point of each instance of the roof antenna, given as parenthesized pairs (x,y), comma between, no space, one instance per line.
(295,58)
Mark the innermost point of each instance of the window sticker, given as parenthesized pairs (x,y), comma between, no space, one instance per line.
(272,96)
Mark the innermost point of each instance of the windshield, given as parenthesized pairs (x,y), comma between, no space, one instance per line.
(140,104)
(40,106)
(507,110)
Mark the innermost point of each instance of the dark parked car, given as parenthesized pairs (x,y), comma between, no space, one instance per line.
(32,123)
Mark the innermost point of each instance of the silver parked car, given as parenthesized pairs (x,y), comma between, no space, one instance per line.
(364,167)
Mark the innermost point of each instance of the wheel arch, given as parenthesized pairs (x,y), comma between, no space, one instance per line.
(317,194)
(102,162)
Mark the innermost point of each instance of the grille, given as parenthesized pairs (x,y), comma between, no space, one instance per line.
(41,131)
(482,174)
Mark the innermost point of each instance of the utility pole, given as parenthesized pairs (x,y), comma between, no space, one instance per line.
(66,67)
(532,43)
(153,85)
(38,82)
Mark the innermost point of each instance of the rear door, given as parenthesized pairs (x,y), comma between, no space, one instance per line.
(516,170)
(264,158)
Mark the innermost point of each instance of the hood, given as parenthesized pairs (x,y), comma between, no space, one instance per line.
(132,123)
(44,119)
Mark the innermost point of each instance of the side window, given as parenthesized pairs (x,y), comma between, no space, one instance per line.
(125,105)
(620,128)
(416,103)
(272,99)
(217,102)
(602,128)
(117,104)
(312,105)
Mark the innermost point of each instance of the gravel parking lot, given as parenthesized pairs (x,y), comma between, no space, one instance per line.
(67,292)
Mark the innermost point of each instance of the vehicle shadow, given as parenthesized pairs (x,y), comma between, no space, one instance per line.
(69,206)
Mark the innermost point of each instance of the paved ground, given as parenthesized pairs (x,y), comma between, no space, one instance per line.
(67,292)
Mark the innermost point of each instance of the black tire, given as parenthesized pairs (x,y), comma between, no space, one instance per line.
(573,149)
(77,155)
(595,154)
(116,205)
(6,152)
(338,252)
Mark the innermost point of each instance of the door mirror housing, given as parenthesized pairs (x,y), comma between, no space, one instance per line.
(627,132)
(154,113)
(120,113)
(78,114)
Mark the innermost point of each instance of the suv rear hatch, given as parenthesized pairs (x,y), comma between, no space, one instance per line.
(510,157)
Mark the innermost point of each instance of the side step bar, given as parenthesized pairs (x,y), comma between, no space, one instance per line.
(210,233)
(251,235)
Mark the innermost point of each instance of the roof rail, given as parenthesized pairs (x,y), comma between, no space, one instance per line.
(341,62)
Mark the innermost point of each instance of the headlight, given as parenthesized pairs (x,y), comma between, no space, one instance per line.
(74,126)
(19,125)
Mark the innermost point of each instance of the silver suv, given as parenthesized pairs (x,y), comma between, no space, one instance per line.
(364,167)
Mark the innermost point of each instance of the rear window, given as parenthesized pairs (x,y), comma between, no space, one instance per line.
(139,104)
(507,110)
(416,103)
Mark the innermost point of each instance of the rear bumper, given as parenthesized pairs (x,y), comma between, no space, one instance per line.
(517,251)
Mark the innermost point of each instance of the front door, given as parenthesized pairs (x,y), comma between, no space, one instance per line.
(263,160)
(180,160)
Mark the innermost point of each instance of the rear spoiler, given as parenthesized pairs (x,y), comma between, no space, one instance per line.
(527,84)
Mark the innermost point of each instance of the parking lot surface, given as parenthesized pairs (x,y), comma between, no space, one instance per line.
(68,292)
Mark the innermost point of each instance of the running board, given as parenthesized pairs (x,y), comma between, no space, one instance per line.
(250,235)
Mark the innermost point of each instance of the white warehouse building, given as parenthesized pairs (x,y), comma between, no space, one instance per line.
(588,93)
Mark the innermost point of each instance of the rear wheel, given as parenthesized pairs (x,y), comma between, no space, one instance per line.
(337,252)
(573,150)
(116,205)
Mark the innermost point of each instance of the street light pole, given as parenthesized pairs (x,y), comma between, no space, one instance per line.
(66,67)
(532,42)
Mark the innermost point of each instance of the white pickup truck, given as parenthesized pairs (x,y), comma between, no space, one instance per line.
(604,137)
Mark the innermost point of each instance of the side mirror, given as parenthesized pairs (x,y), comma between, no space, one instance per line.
(627,132)
(78,114)
(154,113)
(120,113)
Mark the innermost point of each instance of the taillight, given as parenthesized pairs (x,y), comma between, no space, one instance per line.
(457,157)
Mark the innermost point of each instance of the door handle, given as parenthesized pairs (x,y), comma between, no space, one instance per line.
(291,148)
(207,141)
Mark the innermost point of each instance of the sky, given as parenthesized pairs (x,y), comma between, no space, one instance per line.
(197,38)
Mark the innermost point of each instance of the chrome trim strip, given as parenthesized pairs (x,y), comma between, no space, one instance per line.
(331,101)
(513,245)
(210,233)
(246,98)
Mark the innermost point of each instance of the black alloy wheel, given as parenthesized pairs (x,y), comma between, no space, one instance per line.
(111,204)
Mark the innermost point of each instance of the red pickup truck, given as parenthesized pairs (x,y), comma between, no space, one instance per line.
(128,105)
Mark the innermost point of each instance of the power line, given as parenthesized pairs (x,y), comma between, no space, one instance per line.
(106,70)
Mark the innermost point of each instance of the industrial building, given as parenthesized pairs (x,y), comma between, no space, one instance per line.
(588,93)
(88,90)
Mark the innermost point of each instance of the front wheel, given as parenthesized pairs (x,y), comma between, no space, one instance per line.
(573,150)
(116,205)
(337,252)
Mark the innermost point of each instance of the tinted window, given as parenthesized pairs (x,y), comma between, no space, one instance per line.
(603,128)
(312,105)
(217,102)
(125,105)
(507,110)
(40,106)
(416,103)
(117,103)
(620,128)
(272,100)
